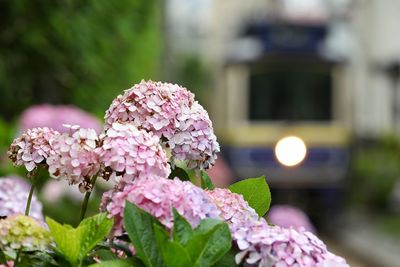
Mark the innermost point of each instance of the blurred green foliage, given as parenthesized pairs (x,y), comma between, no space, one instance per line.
(193,73)
(7,133)
(390,224)
(375,171)
(82,52)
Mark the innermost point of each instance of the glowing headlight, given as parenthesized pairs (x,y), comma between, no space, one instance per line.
(290,151)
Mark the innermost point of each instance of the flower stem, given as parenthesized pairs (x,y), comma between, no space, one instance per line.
(27,209)
(86,199)
(17,258)
(28,203)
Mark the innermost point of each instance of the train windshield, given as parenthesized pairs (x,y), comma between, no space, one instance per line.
(290,93)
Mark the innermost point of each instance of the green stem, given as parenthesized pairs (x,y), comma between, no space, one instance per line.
(86,199)
(27,209)
(28,203)
(17,258)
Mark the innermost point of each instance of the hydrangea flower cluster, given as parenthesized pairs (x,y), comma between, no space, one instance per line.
(234,209)
(274,246)
(158,197)
(170,112)
(22,232)
(14,193)
(288,216)
(138,124)
(150,105)
(194,139)
(75,158)
(128,153)
(263,245)
(55,117)
(32,148)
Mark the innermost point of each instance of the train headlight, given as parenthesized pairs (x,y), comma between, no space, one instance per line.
(290,151)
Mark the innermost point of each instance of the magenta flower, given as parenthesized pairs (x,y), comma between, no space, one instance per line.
(288,216)
(171,113)
(128,153)
(75,158)
(158,197)
(14,193)
(32,148)
(55,117)
(265,245)
(234,209)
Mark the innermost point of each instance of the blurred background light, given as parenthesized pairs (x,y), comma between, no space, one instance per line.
(290,150)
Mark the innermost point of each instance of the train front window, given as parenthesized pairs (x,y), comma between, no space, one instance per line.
(290,94)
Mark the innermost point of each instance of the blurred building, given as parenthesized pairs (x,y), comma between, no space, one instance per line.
(323,71)
(362,34)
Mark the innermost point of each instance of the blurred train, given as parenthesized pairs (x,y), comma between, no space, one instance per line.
(279,112)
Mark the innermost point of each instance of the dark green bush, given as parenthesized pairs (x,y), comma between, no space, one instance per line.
(75,51)
(376,168)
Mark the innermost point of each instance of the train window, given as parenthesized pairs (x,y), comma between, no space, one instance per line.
(290,95)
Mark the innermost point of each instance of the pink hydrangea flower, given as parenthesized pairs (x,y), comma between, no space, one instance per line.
(32,148)
(75,158)
(9,264)
(150,105)
(55,116)
(55,190)
(128,153)
(170,112)
(288,216)
(265,245)
(194,139)
(158,197)
(234,209)
(14,193)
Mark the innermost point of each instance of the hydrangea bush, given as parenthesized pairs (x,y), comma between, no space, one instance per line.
(290,216)
(54,116)
(163,209)
(14,193)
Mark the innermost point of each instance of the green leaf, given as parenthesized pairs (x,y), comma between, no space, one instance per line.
(131,262)
(97,227)
(174,254)
(182,231)
(184,173)
(2,257)
(40,259)
(139,225)
(228,260)
(206,182)
(75,243)
(207,247)
(256,192)
(206,225)
(106,255)
(180,173)
(67,240)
